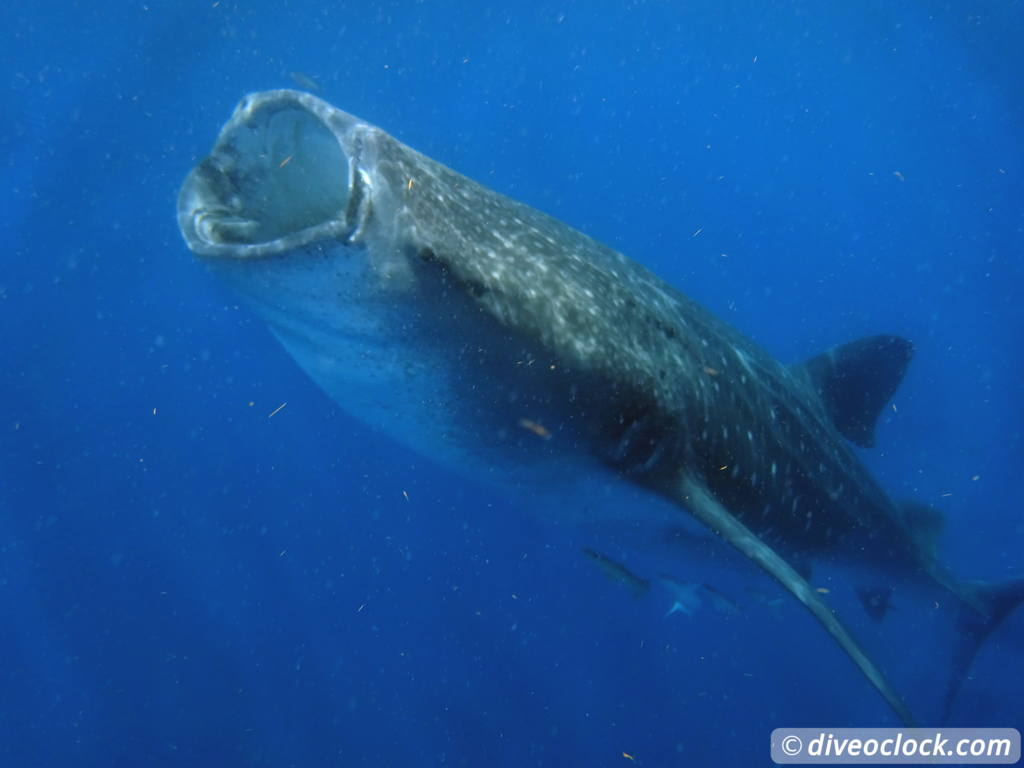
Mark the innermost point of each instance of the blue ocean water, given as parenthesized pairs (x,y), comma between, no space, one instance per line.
(187,581)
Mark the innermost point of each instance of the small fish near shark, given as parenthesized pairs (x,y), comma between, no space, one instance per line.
(686,597)
(503,343)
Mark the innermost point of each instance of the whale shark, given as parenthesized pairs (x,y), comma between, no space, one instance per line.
(509,346)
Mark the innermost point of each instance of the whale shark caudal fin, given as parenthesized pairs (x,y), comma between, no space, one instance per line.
(703,506)
(856,380)
(987,606)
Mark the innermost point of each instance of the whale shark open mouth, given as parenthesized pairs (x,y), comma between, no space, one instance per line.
(277,177)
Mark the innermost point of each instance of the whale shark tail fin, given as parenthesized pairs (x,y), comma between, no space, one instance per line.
(986,606)
(856,380)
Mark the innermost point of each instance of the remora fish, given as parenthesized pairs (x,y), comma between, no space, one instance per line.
(618,573)
(498,340)
(685,596)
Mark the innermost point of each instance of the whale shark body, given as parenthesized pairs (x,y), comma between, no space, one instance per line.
(502,342)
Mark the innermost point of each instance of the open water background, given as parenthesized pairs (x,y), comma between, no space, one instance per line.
(185,581)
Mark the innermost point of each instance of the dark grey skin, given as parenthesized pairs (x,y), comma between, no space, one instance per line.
(500,341)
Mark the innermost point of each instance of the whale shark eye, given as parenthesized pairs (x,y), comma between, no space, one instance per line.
(274,172)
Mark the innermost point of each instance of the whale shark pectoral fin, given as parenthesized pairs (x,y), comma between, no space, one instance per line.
(698,499)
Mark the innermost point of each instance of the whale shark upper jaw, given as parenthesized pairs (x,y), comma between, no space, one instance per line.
(283,174)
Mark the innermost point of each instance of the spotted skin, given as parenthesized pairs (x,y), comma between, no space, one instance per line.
(502,342)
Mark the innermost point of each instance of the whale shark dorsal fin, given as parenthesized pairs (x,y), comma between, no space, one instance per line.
(856,380)
(924,523)
(708,510)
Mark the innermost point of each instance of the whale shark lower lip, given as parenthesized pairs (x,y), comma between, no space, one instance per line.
(498,340)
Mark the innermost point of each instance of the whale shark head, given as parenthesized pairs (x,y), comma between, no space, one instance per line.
(325,225)
(281,175)
(289,210)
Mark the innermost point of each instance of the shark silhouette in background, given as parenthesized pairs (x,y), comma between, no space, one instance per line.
(501,342)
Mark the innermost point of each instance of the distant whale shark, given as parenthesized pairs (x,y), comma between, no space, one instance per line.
(499,341)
